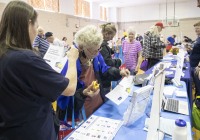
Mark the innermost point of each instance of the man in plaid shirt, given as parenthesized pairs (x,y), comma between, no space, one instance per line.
(153,46)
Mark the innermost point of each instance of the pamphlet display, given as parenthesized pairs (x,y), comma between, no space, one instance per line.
(179,66)
(138,105)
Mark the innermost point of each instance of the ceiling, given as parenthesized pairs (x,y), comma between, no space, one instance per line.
(124,3)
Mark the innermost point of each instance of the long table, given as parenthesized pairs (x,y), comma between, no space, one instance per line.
(186,78)
(135,131)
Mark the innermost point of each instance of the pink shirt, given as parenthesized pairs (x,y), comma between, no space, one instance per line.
(130,51)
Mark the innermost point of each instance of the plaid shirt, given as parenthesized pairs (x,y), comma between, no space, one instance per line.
(153,47)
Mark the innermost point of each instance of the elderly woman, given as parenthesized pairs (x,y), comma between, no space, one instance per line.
(90,67)
(132,50)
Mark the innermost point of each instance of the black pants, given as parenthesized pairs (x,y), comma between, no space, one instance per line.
(152,62)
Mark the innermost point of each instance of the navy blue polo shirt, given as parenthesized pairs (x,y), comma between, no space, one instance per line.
(28,85)
(195,53)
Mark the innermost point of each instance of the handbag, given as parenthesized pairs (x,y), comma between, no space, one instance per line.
(64,132)
(144,65)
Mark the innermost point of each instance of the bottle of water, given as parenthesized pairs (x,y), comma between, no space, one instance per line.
(180,130)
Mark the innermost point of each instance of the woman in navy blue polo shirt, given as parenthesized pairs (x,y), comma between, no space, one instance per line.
(28,84)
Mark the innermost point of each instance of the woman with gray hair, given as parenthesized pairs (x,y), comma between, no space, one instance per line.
(91,69)
(132,52)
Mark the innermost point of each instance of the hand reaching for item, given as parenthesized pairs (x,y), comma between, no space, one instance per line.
(92,90)
(124,72)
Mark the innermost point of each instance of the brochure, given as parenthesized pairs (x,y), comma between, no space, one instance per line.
(97,128)
(56,57)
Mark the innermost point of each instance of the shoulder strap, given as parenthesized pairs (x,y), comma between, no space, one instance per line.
(73,118)
(83,113)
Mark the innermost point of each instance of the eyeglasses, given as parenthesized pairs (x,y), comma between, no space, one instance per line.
(92,52)
(99,49)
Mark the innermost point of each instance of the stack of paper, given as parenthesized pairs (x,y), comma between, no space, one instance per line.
(97,128)
(121,91)
(181,94)
(167,58)
(169,72)
(118,94)
(169,91)
(127,83)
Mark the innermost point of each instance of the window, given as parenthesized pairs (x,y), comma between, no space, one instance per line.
(82,8)
(103,13)
(49,5)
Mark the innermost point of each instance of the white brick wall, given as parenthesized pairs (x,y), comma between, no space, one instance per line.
(57,23)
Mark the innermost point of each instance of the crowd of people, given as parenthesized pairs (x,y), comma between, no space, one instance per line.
(28,85)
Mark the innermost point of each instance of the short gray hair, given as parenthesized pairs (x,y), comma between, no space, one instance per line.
(88,37)
(131,30)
